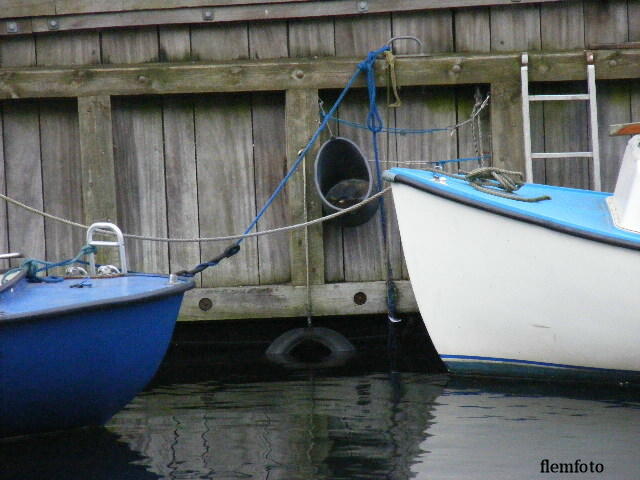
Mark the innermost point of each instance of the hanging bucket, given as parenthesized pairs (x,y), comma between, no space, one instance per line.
(343,178)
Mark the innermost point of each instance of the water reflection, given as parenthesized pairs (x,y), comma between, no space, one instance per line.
(310,428)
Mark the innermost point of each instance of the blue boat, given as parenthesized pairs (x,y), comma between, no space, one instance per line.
(75,351)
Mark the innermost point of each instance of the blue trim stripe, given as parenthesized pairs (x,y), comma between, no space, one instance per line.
(531,362)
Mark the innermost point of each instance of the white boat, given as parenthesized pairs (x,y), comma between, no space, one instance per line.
(527,289)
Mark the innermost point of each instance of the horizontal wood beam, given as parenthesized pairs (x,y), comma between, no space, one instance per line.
(56,15)
(284,74)
(279,301)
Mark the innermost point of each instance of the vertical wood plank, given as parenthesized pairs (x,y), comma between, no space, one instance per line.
(515,28)
(473,30)
(23,174)
(301,107)
(566,124)
(4,226)
(433,27)
(220,42)
(62,178)
(608,22)
(269,40)
(180,158)
(268,122)
(96,159)
(139,153)
(174,43)
(130,46)
(362,245)
(22,163)
(60,143)
(224,150)
(68,48)
(506,126)
(311,38)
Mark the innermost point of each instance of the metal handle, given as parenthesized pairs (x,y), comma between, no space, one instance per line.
(107,228)
(405,37)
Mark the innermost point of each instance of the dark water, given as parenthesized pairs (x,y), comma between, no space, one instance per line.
(255,421)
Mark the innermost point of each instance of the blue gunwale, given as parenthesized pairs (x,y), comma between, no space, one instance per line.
(26,302)
(582,213)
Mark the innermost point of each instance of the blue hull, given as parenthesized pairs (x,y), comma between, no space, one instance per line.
(78,365)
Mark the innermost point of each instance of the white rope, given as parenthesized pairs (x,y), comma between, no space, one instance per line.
(205,239)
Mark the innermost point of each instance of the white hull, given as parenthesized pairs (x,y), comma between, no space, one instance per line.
(495,290)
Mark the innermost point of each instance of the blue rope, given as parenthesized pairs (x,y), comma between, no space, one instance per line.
(34,266)
(365,66)
(395,131)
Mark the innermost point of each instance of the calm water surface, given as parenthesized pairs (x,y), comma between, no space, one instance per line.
(220,424)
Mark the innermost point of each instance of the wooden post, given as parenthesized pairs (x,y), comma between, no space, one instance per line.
(97,166)
(506,126)
(301,114)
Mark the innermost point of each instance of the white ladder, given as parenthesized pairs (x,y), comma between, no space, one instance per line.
(594,154)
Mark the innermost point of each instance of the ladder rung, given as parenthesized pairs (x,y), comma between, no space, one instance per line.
(561,154)
(551,98)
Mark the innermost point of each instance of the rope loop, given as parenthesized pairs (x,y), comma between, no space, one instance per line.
(500,182)
(228,252)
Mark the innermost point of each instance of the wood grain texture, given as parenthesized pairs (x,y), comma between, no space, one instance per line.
(62,176)
(65,48)
(473,30)
(226,186)
(515,27)
(434,28)
(130,46)
(301,121)
(174,43)
(4,226)
(311,38)
(269,143)
(607,22)
(220,42)
(279,301)
(268,40)
(566,124)
(23,174)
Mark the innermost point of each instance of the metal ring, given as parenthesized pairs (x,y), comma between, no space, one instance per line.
(405,37)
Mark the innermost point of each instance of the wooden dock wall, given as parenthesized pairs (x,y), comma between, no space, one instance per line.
(182,126)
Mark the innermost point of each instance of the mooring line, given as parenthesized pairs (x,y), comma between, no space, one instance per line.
(286,228)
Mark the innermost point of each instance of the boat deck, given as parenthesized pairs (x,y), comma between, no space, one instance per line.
(575,211)
(26,298)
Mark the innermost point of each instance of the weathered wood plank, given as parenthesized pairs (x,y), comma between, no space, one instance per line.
(27,8)
(283,74)
(139,153)
(311,38)
(506,126)
(473,30)
(64,48)
(268,40)
(301,120)
(140,179)
(566,124)
(180,158)
(278,301)
(17,52)
(23,174)
(515,27)
(96,159)
(60,143)
(181,180)
(269,143)
(62,176)
(226,187)
(219,42)
(608,22)
(4,226)
(362,245)
(243,13)
(434,28)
